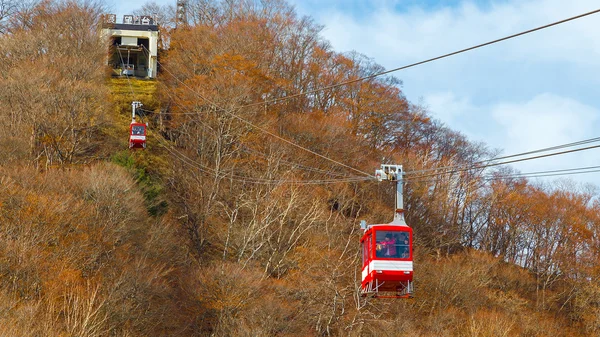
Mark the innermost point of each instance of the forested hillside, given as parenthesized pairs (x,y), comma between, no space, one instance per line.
(241,218)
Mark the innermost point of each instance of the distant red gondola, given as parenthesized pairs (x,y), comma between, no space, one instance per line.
(137,135)
(137,131)
(387,249)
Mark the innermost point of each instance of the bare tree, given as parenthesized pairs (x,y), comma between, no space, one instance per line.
(53,93)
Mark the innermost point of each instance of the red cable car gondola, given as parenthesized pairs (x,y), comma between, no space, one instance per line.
(137,135)
(137,131)
(387,259)
(387,250)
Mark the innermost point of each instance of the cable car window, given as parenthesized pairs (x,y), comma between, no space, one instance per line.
(393,244)
(403,245)
(137,130)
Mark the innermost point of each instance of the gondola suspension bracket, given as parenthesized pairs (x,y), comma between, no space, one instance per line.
(394,173)
(134,106)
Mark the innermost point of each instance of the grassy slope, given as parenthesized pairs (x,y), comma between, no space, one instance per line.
(148,166)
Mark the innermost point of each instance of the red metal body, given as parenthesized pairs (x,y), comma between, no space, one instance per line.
(388,259)
(137,135)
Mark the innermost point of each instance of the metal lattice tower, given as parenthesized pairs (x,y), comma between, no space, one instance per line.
(181,13)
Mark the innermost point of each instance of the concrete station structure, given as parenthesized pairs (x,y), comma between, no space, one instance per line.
(133,45)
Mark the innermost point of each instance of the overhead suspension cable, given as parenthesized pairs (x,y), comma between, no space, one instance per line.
(472,167)
(248,150)
(227,175)
(539,174)
(293,164)
(371,77)
(479,163)
(190,162)
(126,74)
(263,129)
(421,62)
(551,173)
(384,73)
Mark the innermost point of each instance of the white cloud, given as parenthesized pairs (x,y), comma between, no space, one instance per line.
(397,38)
(418,33)
(455,112)
(544,121)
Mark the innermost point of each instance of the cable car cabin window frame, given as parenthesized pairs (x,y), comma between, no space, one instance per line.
(379,249)
(137,127)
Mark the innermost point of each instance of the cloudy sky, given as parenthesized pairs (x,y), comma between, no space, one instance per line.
(531,92)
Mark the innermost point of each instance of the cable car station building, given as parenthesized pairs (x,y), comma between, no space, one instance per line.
(134,45)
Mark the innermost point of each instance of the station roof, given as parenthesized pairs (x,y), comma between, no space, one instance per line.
(127,26)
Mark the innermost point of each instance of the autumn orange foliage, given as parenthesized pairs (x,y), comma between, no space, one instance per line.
(223,227)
